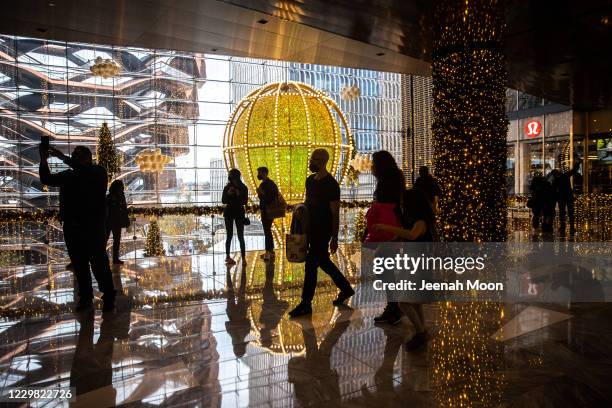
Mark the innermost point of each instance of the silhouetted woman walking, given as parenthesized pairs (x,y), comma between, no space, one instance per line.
(235,196)
(385,209)
(117,216)
(419,222)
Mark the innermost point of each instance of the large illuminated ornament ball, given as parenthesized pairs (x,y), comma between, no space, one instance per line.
(278,126)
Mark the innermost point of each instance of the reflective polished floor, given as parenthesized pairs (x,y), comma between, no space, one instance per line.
(190,332)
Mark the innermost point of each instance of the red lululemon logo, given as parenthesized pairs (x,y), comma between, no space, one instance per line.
(533,128)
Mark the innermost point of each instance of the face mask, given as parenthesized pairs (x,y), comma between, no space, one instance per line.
(313,167)
(259,177)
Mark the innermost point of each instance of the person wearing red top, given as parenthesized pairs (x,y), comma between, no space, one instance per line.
(385,210)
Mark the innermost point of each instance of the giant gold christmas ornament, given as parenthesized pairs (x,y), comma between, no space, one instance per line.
(278,126)
(152,161)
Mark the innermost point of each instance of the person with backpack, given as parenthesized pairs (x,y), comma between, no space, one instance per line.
(268,195)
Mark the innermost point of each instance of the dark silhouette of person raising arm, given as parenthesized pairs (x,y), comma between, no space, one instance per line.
(83,212)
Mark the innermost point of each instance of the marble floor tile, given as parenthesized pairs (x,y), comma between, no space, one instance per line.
(530,319)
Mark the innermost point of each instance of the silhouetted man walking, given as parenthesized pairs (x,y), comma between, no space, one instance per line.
(323,204)
(83,212)
(564,195)
(428,185)
(268,195)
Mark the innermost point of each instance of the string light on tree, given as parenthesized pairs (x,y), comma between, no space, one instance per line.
(360,227)
(469,120)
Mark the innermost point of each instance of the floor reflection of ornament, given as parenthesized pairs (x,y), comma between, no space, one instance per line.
(280,294)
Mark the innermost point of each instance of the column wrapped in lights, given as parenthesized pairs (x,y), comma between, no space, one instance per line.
(278,126)
(469,119)
(469,133)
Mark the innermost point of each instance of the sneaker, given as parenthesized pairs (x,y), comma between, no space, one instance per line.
(417,341)
(229,261)
(391,315)
(301,310)
(342,297)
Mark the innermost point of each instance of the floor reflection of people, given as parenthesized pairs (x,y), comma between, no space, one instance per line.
(272,308)
(384,374)
(238,324)
(312,377)
(92,363)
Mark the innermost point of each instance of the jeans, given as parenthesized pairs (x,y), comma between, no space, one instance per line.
(116,230)
(88,247)
(318,257)
(267,228)
(229,230)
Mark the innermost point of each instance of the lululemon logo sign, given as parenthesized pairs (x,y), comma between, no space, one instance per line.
(533,128)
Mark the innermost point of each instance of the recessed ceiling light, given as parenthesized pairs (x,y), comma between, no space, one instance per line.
(380,54)
(262,21)
(51,4)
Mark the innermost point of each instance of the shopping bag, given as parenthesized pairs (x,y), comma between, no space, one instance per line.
(296,246)
(277,208)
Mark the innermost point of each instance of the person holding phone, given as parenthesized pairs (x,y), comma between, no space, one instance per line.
(83,214)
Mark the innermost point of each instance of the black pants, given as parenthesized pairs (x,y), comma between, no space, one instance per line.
(116,230)
(566,205)
(318,257)
(267,227)
(229,230)
(89,248)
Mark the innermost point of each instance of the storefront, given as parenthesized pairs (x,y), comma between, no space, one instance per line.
(540,144)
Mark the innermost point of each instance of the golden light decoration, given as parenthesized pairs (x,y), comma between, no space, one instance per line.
(152,161)
(362,162)
(105,68)
(350,93)
(278,126)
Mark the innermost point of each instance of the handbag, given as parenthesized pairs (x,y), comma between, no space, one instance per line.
(296,247)
(276,209)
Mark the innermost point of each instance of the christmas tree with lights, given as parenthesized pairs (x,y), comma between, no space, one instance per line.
(153,244)
(106,153)
(360,227)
